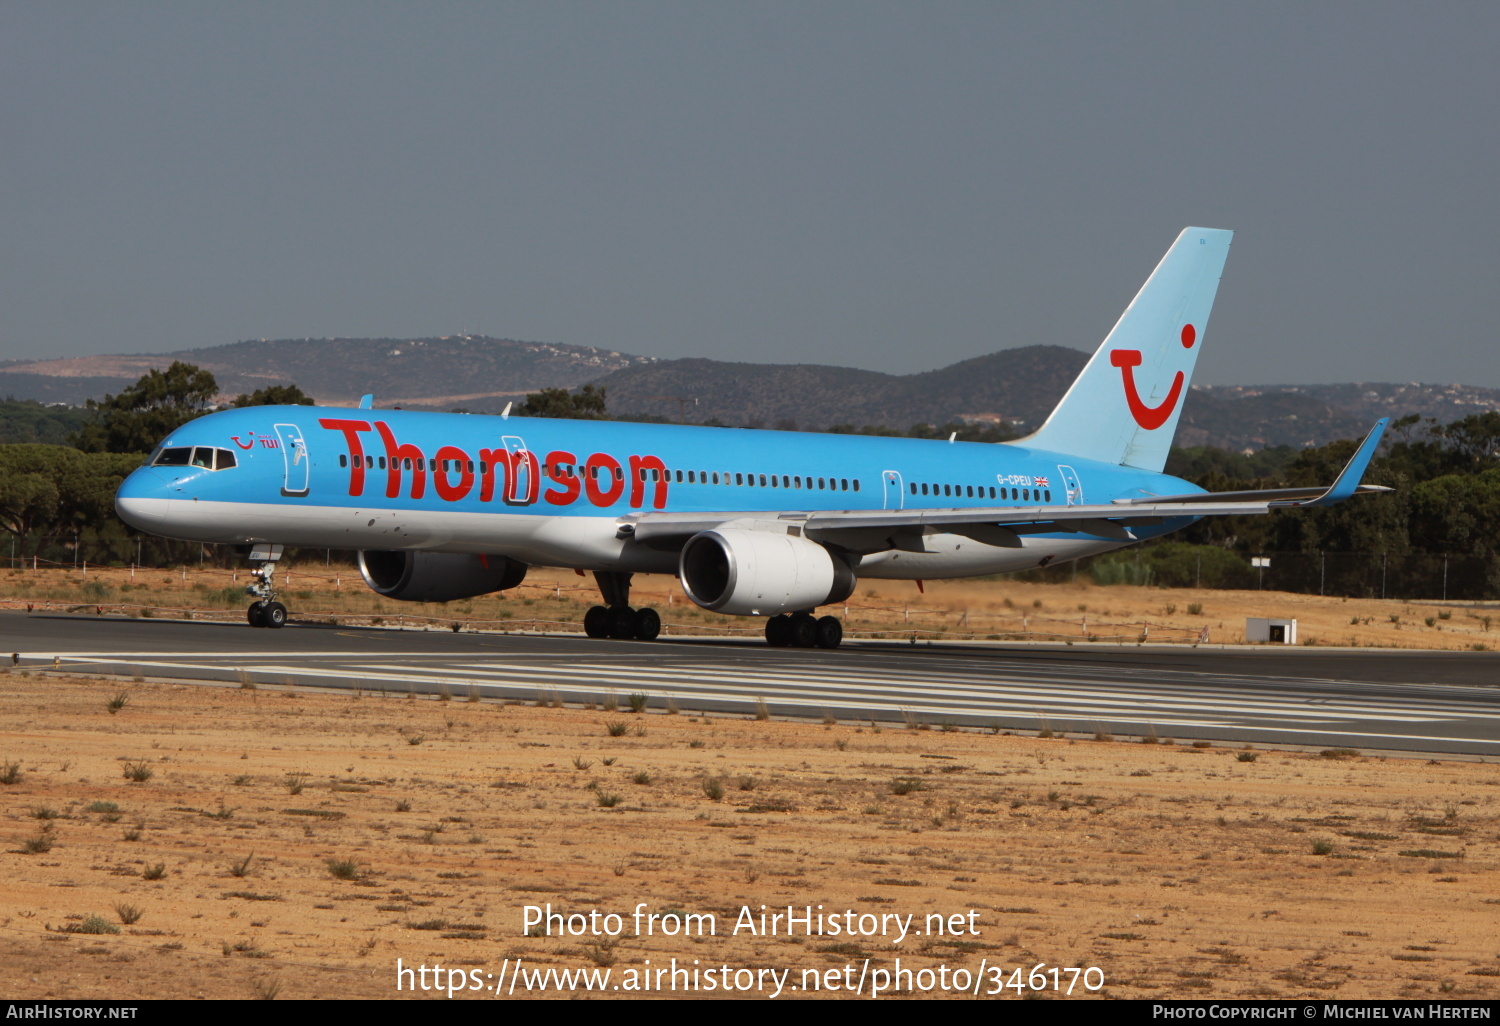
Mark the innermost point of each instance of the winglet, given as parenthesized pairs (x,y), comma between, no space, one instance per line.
(1348,479)
(367,402)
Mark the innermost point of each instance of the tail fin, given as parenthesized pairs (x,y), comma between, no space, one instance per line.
(1124,406)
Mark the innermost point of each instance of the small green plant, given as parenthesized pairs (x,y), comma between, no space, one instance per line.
(1431,621)
(137,772)
(747,783)
(117,703)
(606,799)
(1445,614)
(129,914)
(416,739)
(154,872)
(43,812)
(580,763)
(133,834)
(295,782)
(638,703)
(92,924)
(617,728)
(907,785)
(1322,846)
(10,773)
(1246,756)
(762,711)
(403,805)
(38,845)
(713,787)
(642,778)
(343,869)
(610,761)
(101,807)
(242,867)
(1195,608)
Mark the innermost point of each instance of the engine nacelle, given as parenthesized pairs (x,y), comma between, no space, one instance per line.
(438,576)
(761,573)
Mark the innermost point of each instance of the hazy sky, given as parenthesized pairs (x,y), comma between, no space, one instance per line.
(885,185)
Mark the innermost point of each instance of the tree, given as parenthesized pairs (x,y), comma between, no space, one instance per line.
(55,490)
(585,404)
(275,395)
(147,411)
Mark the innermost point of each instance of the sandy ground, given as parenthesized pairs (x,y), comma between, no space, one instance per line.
(1078,612)
(298,845)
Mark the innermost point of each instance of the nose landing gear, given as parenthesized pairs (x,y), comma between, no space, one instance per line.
(265,611)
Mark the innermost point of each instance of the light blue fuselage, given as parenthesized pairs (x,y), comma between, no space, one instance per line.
(556,492)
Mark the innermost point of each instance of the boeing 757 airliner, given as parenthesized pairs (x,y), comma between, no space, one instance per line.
(754,523)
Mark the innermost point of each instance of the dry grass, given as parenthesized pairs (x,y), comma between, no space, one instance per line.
(1178,870)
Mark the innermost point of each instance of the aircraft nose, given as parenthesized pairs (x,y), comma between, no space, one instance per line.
(142,501)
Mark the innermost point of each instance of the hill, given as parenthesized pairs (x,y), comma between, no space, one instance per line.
(451,370)
(483,374)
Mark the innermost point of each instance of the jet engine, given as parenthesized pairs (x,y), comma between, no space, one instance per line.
(438,576)
(761,573)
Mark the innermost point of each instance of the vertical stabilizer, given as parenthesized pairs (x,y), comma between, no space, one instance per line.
(1124,406)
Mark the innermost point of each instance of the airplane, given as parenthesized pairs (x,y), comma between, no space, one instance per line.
(770,524)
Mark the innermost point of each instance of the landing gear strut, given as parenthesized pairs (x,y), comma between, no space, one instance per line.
(265,611)
(615,619)
(802,630)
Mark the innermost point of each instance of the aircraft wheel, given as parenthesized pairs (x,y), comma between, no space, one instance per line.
(830,632)
(779,631)
(274,615)
(647,624)
(803,631)
(256,614)
(621,622)
(596,622)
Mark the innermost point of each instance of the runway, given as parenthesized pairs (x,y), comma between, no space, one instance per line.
(1399,701)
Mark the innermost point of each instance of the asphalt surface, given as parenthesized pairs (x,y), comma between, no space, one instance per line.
(1434,702)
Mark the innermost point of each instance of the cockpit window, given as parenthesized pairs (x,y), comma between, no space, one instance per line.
(173,458)
(202,456)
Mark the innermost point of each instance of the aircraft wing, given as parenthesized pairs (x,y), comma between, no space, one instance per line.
(1004,526)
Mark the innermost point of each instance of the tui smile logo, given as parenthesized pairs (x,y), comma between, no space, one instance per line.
(1150,417)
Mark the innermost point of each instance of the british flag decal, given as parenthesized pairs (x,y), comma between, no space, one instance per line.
(1041,482)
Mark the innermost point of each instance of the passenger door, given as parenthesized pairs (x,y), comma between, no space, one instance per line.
(895,491)
(297,463)
(1071,485)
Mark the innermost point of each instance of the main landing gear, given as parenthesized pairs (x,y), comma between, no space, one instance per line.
(615,619)
(803,630)
(265,611)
